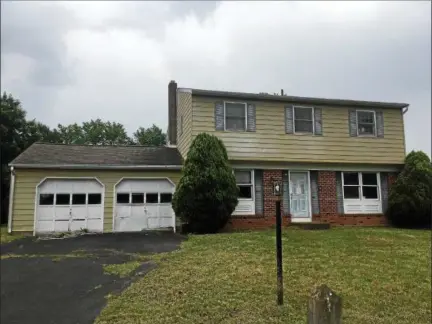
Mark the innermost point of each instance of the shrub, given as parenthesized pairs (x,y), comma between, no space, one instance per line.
(410,197)
(207,193)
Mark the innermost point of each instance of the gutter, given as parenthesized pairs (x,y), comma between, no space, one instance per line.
(11,196)
(96,167)
(404,111)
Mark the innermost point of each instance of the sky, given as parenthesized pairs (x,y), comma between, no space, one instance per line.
(75,61)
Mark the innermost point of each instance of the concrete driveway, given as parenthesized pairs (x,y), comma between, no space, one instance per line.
(62,281)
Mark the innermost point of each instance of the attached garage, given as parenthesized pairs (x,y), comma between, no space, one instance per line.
(64,205)
(143,204)
(61,188)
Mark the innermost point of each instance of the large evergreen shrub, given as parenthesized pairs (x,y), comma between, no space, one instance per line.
(207,193)
(410,197)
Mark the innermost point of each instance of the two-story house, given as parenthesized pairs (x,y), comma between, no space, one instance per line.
(335,159)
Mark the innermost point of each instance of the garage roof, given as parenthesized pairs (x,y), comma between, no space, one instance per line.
(47,155)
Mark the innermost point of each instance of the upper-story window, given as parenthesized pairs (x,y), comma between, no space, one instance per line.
(235,116)
(366,123)
(303,120)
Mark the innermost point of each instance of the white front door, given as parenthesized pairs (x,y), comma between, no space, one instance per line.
(299,197)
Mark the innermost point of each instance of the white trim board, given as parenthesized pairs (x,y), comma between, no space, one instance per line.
(314,166)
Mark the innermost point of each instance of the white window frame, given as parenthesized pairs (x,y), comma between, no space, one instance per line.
(235,102)
(252,172)
(360,185)
(375,124)
(313,120)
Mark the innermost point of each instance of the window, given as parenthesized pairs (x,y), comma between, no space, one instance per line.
(122,198)
(365,122)
(303,120)
(137,198)
(360,185)
(78,199)
(165,198)
(63,199)
(94,199)
(235,116)
(151,198)
(46,199)
(244,183)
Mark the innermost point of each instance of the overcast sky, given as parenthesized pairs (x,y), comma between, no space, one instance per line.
(74,61)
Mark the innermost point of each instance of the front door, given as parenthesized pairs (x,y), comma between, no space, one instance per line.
(299,197)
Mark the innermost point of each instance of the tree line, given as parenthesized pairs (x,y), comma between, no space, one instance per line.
(18,133)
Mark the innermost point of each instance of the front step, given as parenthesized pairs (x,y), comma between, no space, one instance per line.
(311,226)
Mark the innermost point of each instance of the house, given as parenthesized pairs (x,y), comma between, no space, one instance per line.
(336,160)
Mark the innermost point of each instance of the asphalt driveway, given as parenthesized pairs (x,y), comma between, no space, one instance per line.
(38,285)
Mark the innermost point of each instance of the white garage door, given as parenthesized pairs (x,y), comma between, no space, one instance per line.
(143,204)
(69,205)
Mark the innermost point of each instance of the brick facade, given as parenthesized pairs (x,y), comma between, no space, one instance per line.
(327,205)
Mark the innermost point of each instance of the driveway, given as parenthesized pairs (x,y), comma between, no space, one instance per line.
(62,281)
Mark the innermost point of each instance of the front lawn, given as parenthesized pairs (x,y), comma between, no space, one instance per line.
(383,276)
(5,237)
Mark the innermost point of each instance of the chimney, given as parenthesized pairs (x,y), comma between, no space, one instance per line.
(172,113)
(282,92)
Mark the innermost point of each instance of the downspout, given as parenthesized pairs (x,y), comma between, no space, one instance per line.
(11,196)
(404,111)
(403,124)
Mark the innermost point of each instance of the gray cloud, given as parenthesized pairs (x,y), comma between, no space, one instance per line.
(79,60)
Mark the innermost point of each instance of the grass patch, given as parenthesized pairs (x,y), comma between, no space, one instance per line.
(123,269)
(383,276)
(5,237)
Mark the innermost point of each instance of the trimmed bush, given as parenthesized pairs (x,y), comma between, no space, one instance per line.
(410,197)
(207,193)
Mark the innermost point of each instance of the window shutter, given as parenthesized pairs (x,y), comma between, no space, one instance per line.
(251,118)
(289,123)
(259,193)
(339,193)
(219,116)
(318,121)
(384,191)
(286,194)
(314,192)
(352,120)
(380,123)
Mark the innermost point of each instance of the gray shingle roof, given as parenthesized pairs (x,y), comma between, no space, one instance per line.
(97,155)
(299,100)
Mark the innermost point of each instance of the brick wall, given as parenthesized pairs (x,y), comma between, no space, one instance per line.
(327,204)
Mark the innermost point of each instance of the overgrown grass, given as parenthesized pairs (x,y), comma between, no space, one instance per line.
(123,269)
(5,237)
(383,276)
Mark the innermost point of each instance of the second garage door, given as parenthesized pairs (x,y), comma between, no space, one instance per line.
(143,204)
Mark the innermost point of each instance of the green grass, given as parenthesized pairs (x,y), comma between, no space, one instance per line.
(123,269)
(382,275)
(5,237)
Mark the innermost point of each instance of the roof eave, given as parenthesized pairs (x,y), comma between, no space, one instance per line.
(295,99)
(95,167)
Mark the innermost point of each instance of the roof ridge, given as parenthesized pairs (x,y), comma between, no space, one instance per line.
(102,145)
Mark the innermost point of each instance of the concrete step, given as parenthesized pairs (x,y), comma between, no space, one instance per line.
(311,226)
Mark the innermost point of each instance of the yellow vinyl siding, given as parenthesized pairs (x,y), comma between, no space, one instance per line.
(184,111)
(271,143)
(27,180)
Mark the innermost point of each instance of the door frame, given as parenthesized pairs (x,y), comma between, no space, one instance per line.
(114,202)
(301,220)
(36,199)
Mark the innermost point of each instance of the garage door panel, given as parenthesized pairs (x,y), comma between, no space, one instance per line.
(61,225)
(93,212)
(45,213)
(78,225)
(79,212)
(93,225)
(44,226)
